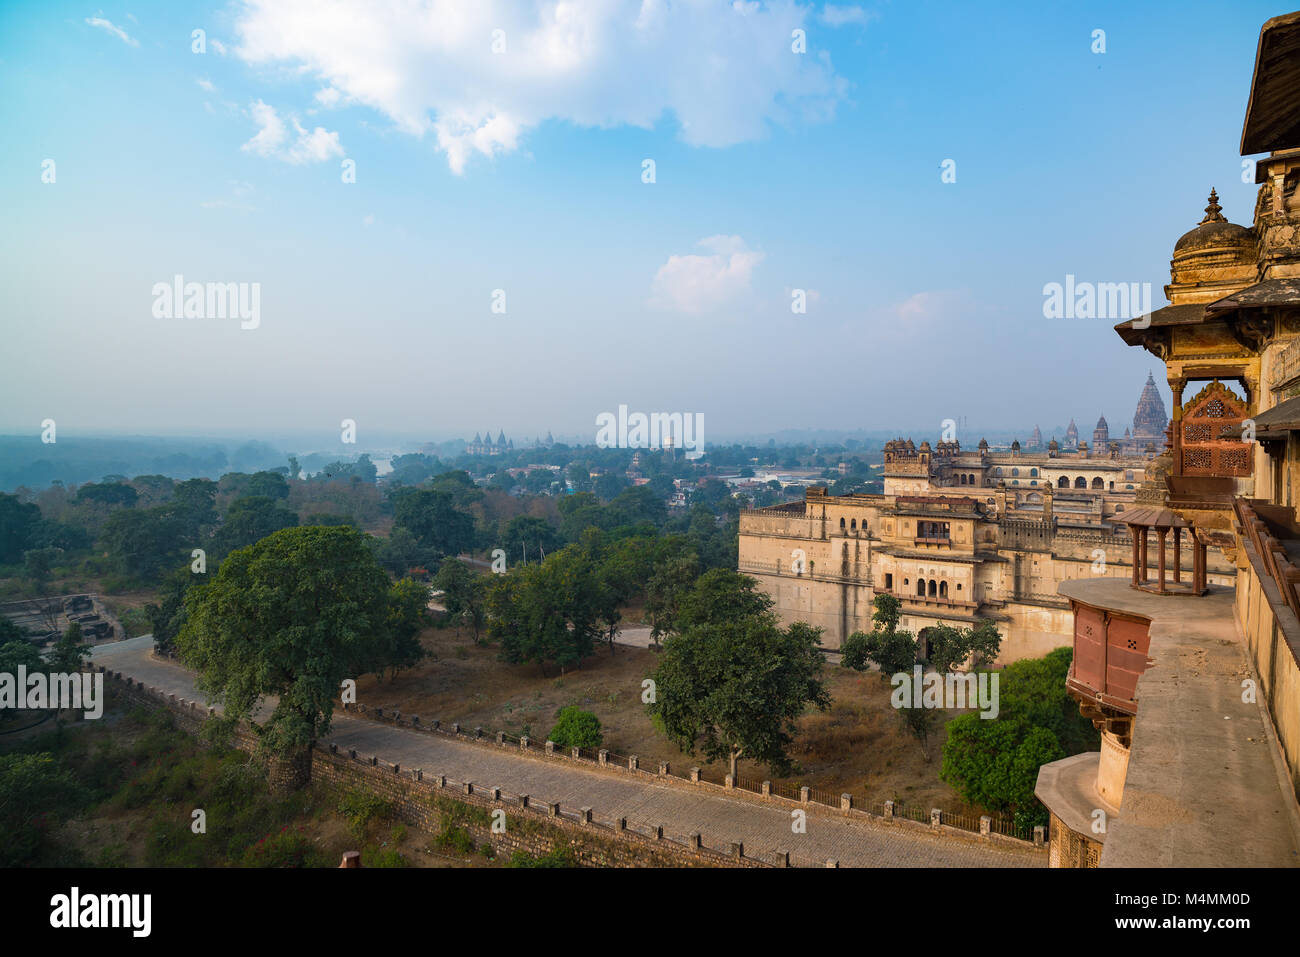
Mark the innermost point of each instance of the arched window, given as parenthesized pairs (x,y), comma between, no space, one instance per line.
(998,470)
(943,589)
(854,525)
(1081,482)
(1015,472)
(841,523)
(1063,482)
(972,480)
(962,480)
(930,589)
(1097,483)
(1033,472)
(920,586)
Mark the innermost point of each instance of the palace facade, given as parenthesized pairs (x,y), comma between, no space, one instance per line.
(957,536)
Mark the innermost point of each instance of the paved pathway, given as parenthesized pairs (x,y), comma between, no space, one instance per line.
(681,811)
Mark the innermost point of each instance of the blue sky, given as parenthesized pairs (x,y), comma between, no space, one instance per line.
(522,171)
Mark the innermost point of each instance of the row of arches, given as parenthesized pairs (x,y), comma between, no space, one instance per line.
(1081,482)
(927,589)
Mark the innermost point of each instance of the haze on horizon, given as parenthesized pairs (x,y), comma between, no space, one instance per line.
(522,171)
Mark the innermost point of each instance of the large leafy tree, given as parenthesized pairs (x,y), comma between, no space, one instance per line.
(547,613)
(732,684)
(248,520)
(994,762)
(145,542)
(464,594)
(292,616)
(734,690)
(676,569)
(18,524)
(432,516)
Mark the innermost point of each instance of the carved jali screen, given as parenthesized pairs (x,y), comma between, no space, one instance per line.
(1211,434)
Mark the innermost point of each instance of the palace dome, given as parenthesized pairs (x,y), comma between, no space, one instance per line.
(1215,232)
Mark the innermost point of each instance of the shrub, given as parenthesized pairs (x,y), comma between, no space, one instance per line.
(576,729)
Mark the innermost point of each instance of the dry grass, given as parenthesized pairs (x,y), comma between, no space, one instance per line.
(858,746)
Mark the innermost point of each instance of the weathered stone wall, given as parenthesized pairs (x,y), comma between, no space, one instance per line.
(1273,642)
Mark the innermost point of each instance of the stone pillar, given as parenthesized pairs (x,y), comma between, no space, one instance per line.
(936,817)
(695,841)
(695,775)
(585,815)
(501,738)
(986,825)
(552,808)
(1038,835)
(351,859)
(1178,555)
(738,850)
(523,743)
(728,783)
(663,768)
(889,810)
(603,757)
(1133,532)
(766,789)
(1161,559)
(803,795)
(846,802)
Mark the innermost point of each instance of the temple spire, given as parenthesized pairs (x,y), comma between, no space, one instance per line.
(1213,212)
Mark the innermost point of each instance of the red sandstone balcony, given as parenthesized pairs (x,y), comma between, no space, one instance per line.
(1110,653)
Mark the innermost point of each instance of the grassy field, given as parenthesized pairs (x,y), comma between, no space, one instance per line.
(121,792)
(856,746)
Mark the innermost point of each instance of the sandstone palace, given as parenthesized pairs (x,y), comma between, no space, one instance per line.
(961,535)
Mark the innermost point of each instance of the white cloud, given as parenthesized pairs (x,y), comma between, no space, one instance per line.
(726,73)
(206,85)
(109,27)
(272,139)
(218,46)
(328,97)
(926,306)
(834,15)
(699,284)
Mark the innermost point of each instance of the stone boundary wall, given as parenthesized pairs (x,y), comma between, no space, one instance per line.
(533,827)
(809,800)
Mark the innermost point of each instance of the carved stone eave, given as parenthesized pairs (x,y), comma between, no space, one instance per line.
(1252,331)
(1156,342)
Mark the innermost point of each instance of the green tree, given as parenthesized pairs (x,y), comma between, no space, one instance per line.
(892,650)
(32,788)
(250,519)
(18,523)
(994,762)
(145,542)
(69,653)
(675,572)
(464,594)
(950,647)
(549,612)
(292,616)
(733,688)
(434,519)
(576,728)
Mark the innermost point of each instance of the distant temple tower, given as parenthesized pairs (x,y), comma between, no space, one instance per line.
(1150,421)
(1036,440)
(1072,436)
(1101,435)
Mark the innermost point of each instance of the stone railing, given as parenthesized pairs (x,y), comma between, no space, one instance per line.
(848,805)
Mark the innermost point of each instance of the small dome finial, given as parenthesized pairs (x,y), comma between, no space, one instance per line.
(1213,212)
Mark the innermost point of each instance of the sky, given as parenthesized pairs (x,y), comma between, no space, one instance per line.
(443,209)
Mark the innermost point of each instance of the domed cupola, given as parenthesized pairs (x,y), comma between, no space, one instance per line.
(1212,260)
(1216,233)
